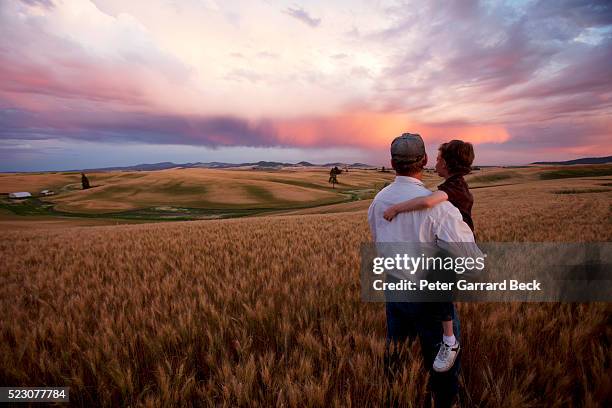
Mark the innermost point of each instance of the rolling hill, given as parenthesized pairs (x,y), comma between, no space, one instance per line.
(584,160)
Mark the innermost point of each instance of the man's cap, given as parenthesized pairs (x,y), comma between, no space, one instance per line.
(408,148)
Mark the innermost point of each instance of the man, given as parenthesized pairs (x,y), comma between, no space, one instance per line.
(441,224)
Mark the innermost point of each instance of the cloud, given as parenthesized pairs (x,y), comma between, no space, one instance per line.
(583,14)
(355,130)
(303,16)
(122,127)
(43,3)
(494,72)
(563,139)
(339,56)
(267,54)
(489,58)
(588,74)
(55,56)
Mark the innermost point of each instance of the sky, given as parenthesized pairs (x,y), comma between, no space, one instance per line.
(95,83)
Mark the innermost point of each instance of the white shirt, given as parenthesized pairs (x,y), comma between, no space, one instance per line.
(442,222)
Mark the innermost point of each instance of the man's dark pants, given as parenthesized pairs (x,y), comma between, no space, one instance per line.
(407,321)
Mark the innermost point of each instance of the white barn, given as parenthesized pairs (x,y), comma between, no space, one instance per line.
(20,194)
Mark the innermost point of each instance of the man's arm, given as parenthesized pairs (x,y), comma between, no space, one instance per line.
(371,221)
(453,234)
(448,224)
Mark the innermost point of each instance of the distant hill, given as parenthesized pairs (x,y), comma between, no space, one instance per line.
(584,160)
(261,165)
(353,166)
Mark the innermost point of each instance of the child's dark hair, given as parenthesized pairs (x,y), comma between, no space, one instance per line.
(458,156)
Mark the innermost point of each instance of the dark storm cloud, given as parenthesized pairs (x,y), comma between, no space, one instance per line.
(137,127)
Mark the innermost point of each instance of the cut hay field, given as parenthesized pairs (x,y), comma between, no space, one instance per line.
(266,311)
(192,193)
(188,194)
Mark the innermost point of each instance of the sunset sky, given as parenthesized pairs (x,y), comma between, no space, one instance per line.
(94,83)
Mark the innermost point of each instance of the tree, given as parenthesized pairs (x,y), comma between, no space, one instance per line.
(333,176)
(84,181)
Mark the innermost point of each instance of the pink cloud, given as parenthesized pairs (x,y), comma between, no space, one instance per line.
(375,130)
(483,84)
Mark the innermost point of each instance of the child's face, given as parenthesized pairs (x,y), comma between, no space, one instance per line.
(441,166)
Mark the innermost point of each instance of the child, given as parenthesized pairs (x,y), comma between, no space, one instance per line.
(454,161)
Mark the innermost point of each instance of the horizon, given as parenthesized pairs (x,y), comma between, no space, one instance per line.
(429,166)
(109,83)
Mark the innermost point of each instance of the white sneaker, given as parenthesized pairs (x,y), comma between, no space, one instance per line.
(446,357)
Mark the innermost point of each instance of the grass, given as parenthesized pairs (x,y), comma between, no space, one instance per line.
(590,171)
(300,183)
(205,210)
(582,191)
(260,193)
(29,206)
(491,178)
(181,188)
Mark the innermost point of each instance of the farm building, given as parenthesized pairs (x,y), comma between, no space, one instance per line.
(20,194)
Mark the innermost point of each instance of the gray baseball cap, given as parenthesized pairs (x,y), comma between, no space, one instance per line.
(408,148)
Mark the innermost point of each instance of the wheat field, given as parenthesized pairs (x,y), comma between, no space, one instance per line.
(266,311)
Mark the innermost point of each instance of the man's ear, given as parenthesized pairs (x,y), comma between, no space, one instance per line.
(425,160)
(392,164)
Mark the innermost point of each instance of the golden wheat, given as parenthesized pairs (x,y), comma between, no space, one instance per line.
(266,312)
